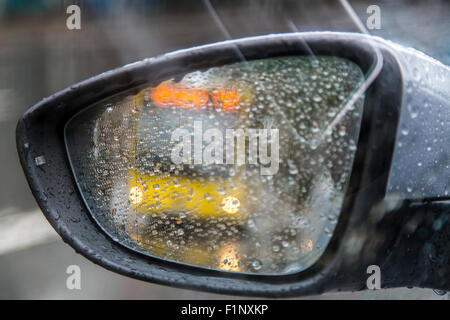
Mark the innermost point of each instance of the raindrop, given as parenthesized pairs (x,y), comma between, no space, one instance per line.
(256,265)
(413,112)
(416,73)
(39,161)
(317,99)
(292,167)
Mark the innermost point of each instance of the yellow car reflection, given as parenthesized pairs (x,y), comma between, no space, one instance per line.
(213,197)
(227,257)
(176,194)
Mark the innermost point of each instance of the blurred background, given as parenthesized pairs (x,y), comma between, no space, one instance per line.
(39,55)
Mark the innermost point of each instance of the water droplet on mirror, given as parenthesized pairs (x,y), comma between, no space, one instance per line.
(251,224)
(292,167)
(317,99)
(416,73)
(256,265)
(413,112)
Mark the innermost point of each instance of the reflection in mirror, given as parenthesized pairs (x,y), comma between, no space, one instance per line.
(218,170)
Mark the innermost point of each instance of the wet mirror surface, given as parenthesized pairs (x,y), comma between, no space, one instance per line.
(240,168)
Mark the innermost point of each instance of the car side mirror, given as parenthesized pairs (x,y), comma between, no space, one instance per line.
(262,166)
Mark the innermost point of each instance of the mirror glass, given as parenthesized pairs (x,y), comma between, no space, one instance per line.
(241,168)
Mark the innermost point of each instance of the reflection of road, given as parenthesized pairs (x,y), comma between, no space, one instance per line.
(39,56)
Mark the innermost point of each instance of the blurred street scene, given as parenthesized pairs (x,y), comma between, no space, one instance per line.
(39,56)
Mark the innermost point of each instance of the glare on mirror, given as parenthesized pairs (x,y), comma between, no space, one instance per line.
(223,169)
